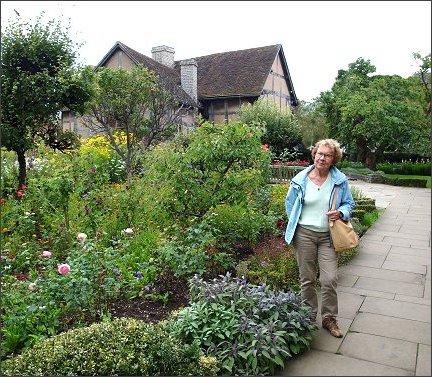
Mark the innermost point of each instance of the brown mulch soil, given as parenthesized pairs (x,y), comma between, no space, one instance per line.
(154,310)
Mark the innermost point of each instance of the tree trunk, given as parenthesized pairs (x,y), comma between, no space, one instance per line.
(370,160)
(361,151)
(22,174)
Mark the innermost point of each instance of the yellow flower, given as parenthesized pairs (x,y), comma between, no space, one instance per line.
(4,230)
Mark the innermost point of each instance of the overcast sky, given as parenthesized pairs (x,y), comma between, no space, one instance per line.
(318,37)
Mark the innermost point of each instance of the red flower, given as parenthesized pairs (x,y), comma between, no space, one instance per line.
(21,277)
(23,187)
(19,194)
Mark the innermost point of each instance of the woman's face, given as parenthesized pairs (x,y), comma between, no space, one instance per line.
(324,157)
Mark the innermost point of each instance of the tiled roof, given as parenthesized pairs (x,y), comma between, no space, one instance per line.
(235,73)
(227,74)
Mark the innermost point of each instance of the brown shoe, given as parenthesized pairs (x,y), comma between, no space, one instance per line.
(331,325)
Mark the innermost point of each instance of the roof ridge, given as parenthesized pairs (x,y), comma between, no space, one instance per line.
(241,50)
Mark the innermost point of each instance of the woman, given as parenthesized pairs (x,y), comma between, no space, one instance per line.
(308,203)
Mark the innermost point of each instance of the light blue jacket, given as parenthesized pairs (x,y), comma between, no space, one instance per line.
(295,197)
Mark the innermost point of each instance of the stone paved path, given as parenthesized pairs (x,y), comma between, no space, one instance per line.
(384,295)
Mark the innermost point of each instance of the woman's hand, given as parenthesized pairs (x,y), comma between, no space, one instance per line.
(334,215)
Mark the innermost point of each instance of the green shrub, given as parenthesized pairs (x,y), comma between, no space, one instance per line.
(125,347)
(217,164)
(232,224)
(249,329)
(277,204)
(406,168)
(282,130)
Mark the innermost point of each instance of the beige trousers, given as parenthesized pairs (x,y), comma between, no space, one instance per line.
(313,250)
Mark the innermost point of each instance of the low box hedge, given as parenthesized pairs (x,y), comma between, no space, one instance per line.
(407,182)
(125,347)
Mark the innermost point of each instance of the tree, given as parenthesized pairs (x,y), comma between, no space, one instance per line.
(38,79)
(282,130)
(373,114)
(136,103)
(312,123)
(424,74)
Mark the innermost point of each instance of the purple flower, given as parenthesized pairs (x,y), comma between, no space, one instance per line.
(139,275)
(116,272)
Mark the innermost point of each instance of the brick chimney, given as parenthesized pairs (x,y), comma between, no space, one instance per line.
(189,77)
(163,55)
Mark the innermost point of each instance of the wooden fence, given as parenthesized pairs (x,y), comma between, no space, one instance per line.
(283,173)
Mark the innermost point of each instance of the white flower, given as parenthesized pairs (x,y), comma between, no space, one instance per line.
(127,231)
(81,237)
(32,286)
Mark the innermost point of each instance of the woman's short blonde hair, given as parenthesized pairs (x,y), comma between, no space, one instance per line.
(333,145)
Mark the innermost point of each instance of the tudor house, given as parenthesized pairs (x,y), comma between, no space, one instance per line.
(214,86)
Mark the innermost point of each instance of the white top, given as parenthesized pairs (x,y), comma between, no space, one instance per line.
(316,205)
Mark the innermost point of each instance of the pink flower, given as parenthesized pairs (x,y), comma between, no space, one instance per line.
(63,268)
(127,231)
(19,194)
(46,254)
(81,237)
(23,187)
(265,147)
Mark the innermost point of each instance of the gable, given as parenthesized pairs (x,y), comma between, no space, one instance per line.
(119,60)
(122,56)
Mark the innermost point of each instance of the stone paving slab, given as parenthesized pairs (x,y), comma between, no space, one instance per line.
(366,292)
(414,229)
(346,280)
(401,241)
(425,300)
(383,285)
(319,363)
(403,235)
(389,227)
(382,350)
(418,252)
(349,304)
(371,247)
(324,341)
(379,273)
(368,260)
(427,292)
(397,328)
(409,259)
(399,309)
(372,237)
(424,361)
(399,266)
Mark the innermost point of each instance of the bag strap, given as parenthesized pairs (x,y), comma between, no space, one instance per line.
(334,197)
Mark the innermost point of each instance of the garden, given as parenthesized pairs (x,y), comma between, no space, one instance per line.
(152,250)
(191,248)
